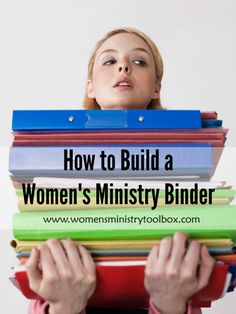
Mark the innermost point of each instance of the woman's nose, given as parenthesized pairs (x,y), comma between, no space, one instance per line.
(124,68)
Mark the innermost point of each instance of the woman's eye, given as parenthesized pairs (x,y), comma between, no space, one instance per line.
(108,62)
(140,62)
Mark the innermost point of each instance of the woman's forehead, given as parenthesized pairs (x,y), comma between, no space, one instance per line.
(123,42)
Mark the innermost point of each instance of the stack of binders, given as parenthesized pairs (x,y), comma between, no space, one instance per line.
(58,152)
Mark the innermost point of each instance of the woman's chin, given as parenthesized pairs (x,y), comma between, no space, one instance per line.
(122,105)
(119,107)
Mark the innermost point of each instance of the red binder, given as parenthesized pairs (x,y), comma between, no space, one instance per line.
(209,115)
(64,142)
(213,134)
(214,137)
(123,287)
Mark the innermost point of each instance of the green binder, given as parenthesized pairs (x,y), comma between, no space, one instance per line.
(128,223)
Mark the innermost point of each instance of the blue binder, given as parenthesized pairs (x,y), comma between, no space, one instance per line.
(188,160)
(32,120)
(212,123)
(213,250)
(232,285)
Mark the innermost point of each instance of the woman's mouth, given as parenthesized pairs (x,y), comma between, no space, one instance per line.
(123,84)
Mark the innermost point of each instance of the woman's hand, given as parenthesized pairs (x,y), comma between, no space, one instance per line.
(68,276)
(173,273)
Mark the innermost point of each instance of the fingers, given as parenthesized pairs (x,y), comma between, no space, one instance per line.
(164,252)
(70,258)
(72,255)
(34,274)
(48,264)
(58,254)
(86,259)
(172,254)
(178,251)
(153,255)
(152,258)
(192,258)
(169,253)
(206,267)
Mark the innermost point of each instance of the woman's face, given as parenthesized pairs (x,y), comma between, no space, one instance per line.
(123,75)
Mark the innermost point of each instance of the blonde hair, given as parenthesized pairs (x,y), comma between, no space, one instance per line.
(91,103)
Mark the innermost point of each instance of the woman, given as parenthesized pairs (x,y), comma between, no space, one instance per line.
(124,72)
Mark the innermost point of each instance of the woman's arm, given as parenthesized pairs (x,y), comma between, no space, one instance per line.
(38,307)
(41,307)
(190,309)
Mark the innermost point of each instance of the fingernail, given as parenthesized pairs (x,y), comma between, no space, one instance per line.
(205,248)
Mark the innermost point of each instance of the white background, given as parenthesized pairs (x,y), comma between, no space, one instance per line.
(44,51)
